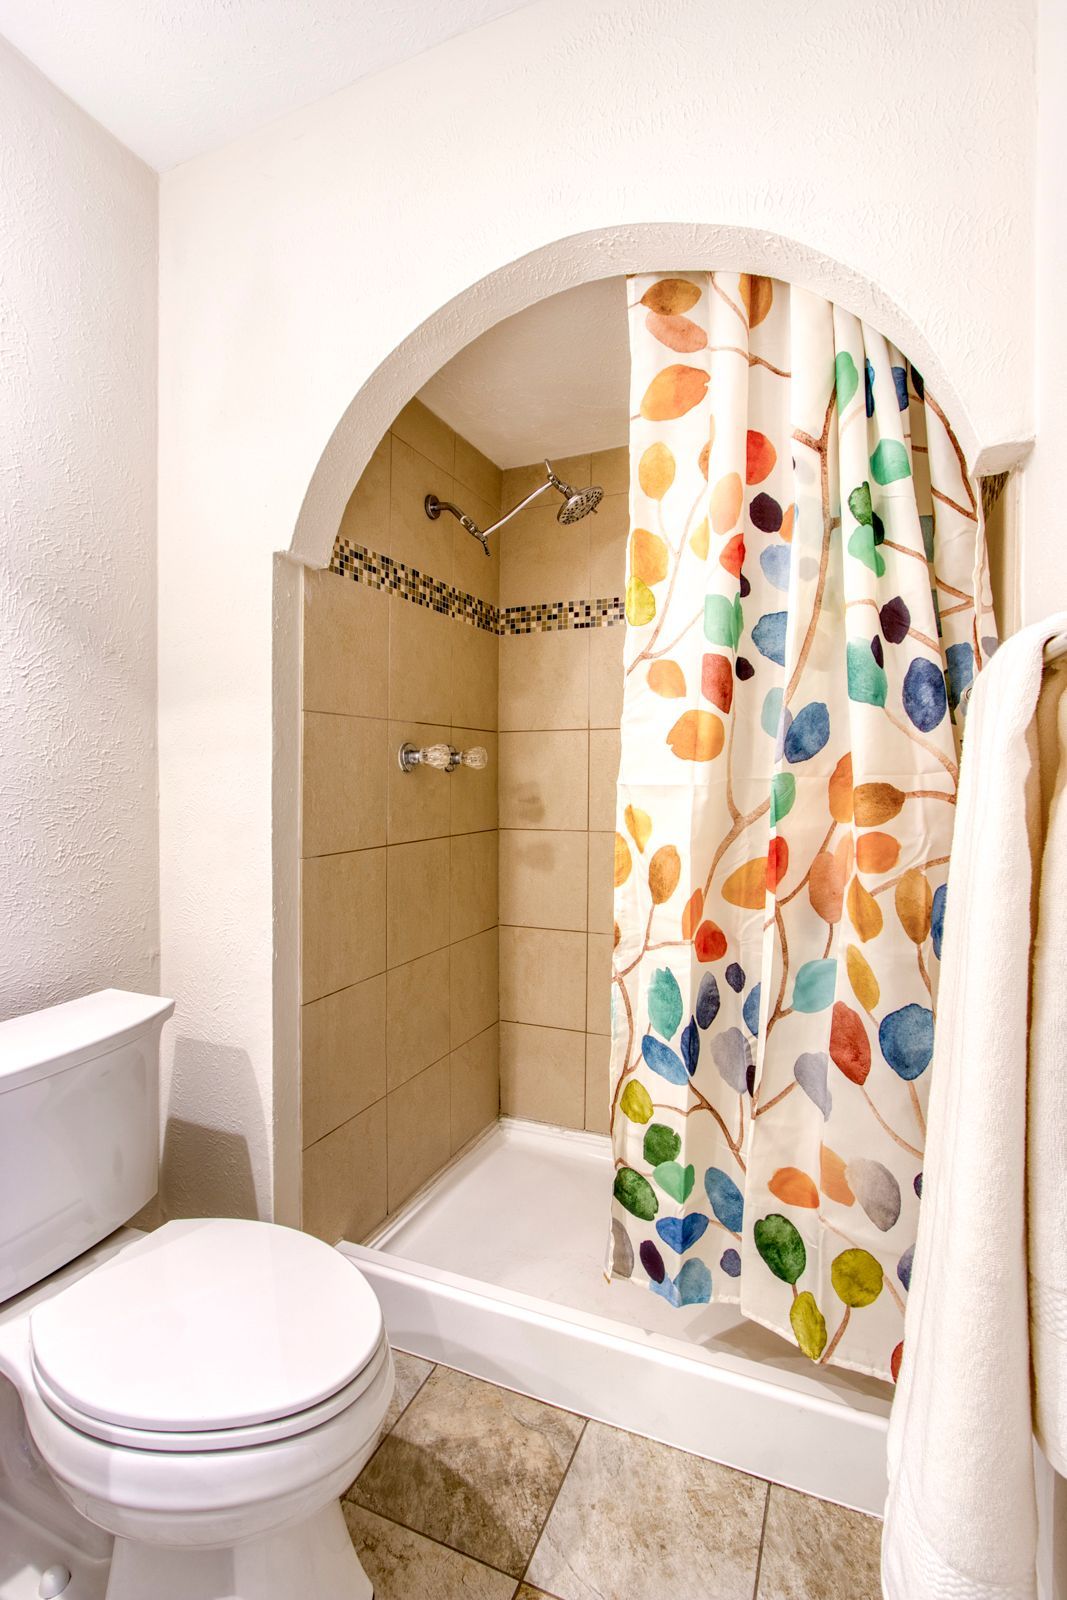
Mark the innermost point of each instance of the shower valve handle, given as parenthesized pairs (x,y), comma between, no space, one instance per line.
(442,757)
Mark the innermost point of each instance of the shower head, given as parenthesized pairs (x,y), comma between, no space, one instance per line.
(577,503)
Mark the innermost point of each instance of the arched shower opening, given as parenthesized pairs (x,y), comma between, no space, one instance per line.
(492,1262)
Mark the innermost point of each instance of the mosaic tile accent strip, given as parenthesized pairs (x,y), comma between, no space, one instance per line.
(551,616)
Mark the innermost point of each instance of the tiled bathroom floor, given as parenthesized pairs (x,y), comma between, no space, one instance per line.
(479,1493)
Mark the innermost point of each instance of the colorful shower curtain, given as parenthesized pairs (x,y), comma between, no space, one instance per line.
(805,554)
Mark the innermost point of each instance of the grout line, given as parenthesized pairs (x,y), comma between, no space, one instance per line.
(442,1544)
(555,1497)
(762,1535)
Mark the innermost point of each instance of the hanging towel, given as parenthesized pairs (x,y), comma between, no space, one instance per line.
(1047,1124)
(960,1517)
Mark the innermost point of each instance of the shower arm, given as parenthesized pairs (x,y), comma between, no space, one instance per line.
(433,507)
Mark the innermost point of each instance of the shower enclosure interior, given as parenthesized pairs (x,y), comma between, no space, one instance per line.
(455,1058)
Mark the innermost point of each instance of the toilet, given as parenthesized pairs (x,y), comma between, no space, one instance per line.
(204,1393)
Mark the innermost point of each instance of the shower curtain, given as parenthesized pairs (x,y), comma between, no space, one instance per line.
(806,607)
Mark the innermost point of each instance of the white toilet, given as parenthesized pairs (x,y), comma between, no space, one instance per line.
(205,1392)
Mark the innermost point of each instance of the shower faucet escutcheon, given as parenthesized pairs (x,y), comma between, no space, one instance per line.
(577,503)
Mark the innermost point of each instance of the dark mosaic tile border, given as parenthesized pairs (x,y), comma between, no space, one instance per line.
(382,572)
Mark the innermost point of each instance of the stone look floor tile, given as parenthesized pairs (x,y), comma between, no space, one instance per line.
(816,1551)
(411,1374)
(473,1466)
(638,1521)
(404,1566)
(524,1592)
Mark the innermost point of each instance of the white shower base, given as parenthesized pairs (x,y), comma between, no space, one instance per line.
(496,1268)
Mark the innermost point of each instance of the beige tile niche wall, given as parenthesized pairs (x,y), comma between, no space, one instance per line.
(399,1036)
(560,705)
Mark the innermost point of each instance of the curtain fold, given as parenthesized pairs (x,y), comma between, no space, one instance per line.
(802,625)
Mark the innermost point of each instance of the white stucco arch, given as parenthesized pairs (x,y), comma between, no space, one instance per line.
(582,258)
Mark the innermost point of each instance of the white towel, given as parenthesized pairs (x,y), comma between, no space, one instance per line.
(961,1518)
(1047,1131)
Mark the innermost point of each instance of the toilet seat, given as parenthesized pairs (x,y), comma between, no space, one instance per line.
(259,1433)
(209,1335)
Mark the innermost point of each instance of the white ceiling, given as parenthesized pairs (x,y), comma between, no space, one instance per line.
(174,78)
(552,381)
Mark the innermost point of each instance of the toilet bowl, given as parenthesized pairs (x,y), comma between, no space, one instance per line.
(206,1395)
(203,1394)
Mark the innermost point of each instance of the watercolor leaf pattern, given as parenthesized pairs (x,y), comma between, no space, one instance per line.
(801,629)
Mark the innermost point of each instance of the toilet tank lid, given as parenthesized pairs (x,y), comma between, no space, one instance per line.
(44,1042)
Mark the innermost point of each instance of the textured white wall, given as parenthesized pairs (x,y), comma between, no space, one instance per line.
(893,145)
(78,776)
(1044,542)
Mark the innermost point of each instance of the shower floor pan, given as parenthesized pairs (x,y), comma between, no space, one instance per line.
(496,1267)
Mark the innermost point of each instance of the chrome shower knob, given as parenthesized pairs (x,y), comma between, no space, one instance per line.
(442,757)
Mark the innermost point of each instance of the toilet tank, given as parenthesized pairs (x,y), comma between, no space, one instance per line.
(79,1127)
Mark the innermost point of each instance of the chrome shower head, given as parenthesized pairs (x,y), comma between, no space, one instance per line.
(577,503)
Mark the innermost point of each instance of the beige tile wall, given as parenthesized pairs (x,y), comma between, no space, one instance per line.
(559,710)
(399,1036)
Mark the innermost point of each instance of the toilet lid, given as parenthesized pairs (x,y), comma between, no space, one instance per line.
(206,1325)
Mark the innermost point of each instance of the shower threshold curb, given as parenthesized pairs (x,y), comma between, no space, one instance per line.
(718,1404)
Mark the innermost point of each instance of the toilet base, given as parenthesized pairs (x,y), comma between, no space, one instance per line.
(313,1559)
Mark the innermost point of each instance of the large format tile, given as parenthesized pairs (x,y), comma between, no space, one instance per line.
(599,950)
(425,432)
(604,746)
(474,1076)
(342,1056)
(473,891)
(544,780)
(474,986)
(542,977)
(600,917)
(344,1192)
(342,921)
(417,1015)
(477,473)
(816,1551)
(611,469)
(608,532)
(411,1374)
(597,1084)
(404,1566)
(606,676)
(543,878)
(474,676)
(419,541)
(542,1074)
(544,679)
(417,892)
(543,559)
(344,783)
(636,1520)
(419,1131)
(473,1466)
(365,520)
(420,664)
(346,646)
